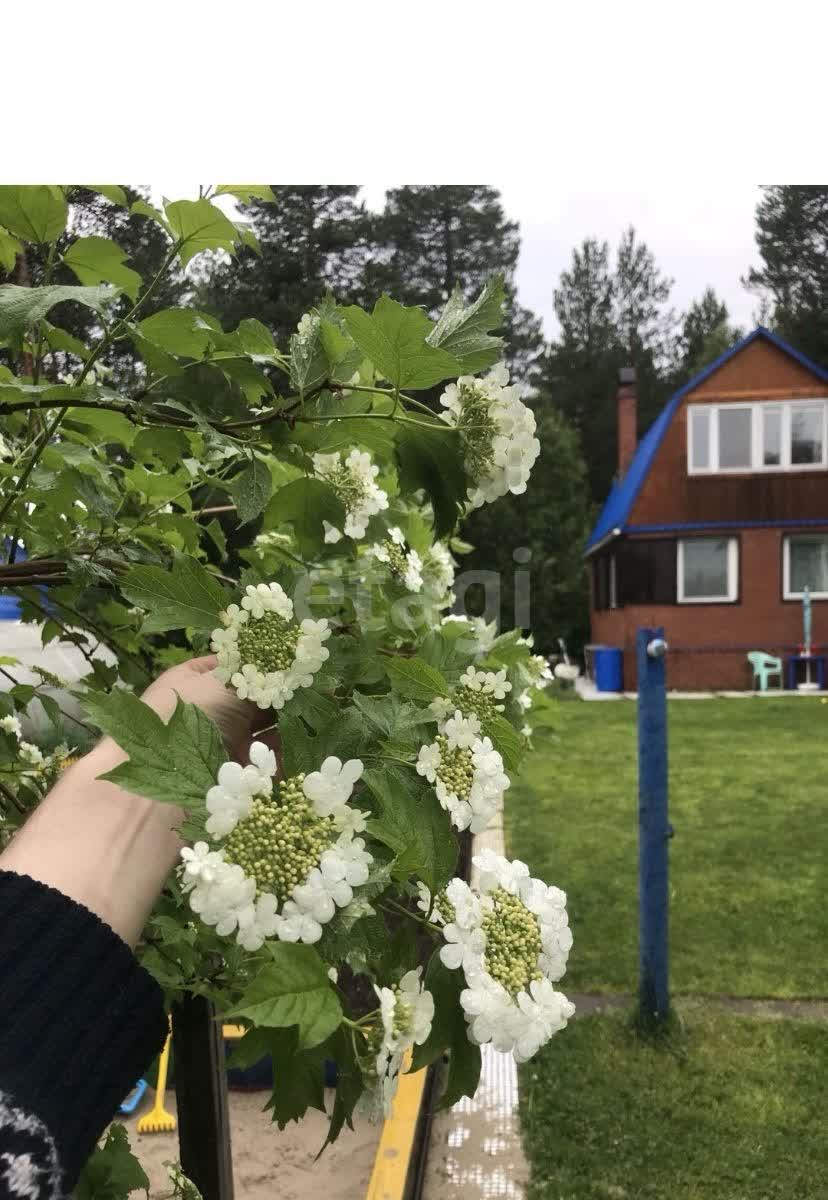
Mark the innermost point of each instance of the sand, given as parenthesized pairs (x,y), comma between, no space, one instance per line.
(269,1164)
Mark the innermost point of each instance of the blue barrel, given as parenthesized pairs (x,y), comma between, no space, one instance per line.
(9,603)
(609,668)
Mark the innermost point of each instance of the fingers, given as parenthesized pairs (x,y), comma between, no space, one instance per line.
(204,664)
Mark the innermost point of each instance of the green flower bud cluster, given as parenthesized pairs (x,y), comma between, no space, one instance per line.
(280,840)
(456,769)
(479,703)
(513,942)
(477,430)
(402,1016)
(396,558)
(444,907)
(349,487)
(268,642)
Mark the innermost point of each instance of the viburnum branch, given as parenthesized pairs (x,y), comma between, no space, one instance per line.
(120,325)
(38,350)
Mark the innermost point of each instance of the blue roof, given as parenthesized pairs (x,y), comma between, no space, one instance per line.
(616,510)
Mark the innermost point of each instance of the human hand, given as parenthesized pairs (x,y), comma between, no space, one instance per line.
(195,683)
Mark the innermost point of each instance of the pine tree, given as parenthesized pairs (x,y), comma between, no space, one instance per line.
(610,315)
(431,239)
(706,332)
(792,239)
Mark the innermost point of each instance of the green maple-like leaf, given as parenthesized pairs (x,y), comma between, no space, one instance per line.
(309,365)
(251,490)
(306,503)
(112,192)
(415,679)
(292,989)
(394,339)
(198,225)
(174,763)
(463,330)
(100,260)
(187,596)
(112,1172)
(413,824)
(429,457)
(246,192)
(20,307)
(10,247)
(35,213)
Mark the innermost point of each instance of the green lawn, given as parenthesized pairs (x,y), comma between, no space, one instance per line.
(749,803)
(732,1109)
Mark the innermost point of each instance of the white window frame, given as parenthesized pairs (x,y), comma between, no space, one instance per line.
(786,408)
(787,594)
(732,573)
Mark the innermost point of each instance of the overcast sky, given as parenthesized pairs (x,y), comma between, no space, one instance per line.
(700,233)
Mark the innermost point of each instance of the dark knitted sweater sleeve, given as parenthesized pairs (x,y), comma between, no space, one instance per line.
(80,1021)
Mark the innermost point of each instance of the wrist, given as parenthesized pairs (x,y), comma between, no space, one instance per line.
(104,847)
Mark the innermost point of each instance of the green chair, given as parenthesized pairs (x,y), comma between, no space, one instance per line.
(764,667)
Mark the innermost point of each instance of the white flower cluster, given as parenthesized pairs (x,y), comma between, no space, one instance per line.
(476,695)
(498,433)
(406,565)
(489,683)
(37,765)
(289,855)
(406,1013)
(263,652)
(438,573)
(511,939)
(540,676)
(466,771)
(354,481)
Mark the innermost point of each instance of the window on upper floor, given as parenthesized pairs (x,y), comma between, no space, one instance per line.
(791,435)
(805,565)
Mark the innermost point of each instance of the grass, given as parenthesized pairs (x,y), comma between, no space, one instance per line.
(730,1109)
(748,801)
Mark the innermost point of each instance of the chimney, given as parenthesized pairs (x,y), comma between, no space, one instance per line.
(627,403)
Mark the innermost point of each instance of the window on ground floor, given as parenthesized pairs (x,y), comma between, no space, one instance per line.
(707,570)
(603,582)
(805,565)
(646,571)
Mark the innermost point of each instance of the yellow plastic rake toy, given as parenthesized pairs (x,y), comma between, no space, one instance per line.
(158,1120)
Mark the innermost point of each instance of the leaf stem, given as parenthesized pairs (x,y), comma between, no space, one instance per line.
(47,279)
(111,334)
(62,711)
(406,912)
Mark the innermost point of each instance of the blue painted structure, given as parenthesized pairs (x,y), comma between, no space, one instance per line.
(615,513)
(608,665)
(654,829)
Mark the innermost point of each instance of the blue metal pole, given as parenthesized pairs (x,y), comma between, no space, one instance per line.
(653,826)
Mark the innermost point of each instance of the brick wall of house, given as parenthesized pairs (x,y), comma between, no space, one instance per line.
(709,642)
